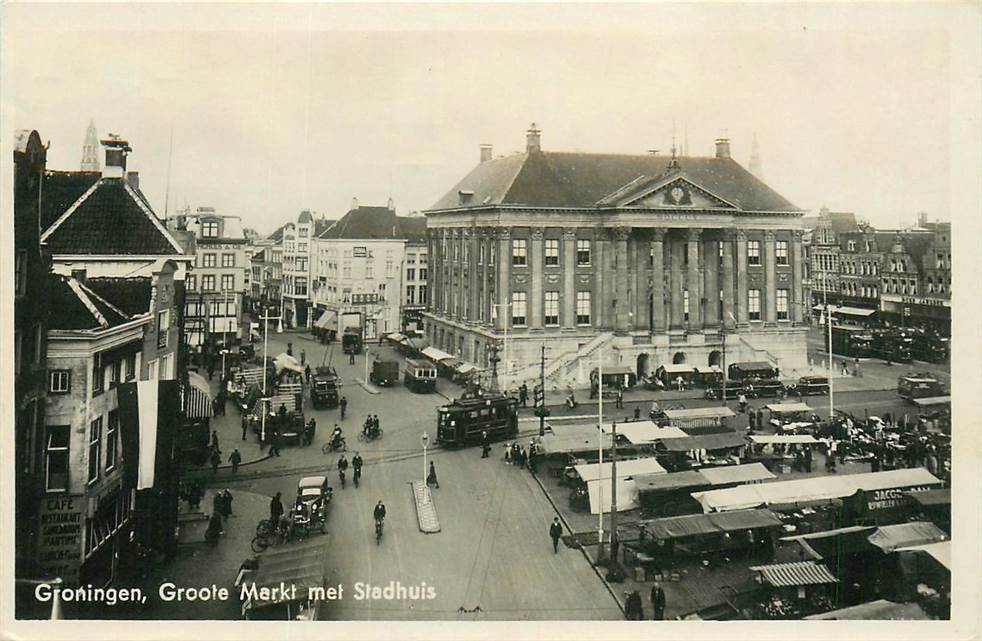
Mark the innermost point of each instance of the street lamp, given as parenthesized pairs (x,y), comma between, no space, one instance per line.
(505,323)
(425,438)
(266,318)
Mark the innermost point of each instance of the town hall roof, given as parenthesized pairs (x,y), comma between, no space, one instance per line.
(582,180)
(106,217)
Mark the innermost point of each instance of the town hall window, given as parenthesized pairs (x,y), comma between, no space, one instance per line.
(753,252)
(781,252)
(583,308)
(753,304)
(518,300)
(518,255)
(782,304)
(552,252)
(583,253)
(552,308)
(59,381)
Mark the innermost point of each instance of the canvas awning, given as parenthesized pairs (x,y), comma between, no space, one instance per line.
(396,337)
(600,492)
(252,376)
(327,320)
(435,354)
(678,368)
(783,575)
(577,442)
(669,482)
(932,400)
(799,439)
(862,312)
(699,413)
(639,432)
(593,471)
(707,442)
(881,610)
(197,399)
(301,565)
(466,368)
(902,535)
(727,474)
(811,489)
(285,361)
(787,408)
(940,552)
(677,527)
(930,498)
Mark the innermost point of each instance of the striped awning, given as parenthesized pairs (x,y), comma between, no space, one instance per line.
(196,397)
(783,575)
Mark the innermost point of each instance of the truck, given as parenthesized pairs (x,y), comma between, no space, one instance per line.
(384,372)
(324,388)
(352,332)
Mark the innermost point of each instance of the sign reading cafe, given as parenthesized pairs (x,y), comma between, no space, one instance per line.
(60,543)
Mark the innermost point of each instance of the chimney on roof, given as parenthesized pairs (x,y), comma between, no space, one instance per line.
(116,152)
(722,147)
(391,204)
(133,178)
(354,202)
(533,141)
(486,151)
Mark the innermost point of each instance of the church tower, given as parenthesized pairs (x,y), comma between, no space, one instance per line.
(755,165)
(90,150)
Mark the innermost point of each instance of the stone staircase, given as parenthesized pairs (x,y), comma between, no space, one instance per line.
(561,370)
(758,352)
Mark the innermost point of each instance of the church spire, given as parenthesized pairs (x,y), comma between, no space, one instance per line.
(90,149)
(755,165)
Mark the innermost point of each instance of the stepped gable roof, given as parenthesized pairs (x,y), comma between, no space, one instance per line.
(371,223)
(80,308)
(581,180)
(60,191)
(130,295)
(110,218)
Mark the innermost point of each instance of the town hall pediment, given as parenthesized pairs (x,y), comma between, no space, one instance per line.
(678,192)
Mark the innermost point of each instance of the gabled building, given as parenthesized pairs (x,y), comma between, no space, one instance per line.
(415,296)
(825,251)
(633,259)
(915,277)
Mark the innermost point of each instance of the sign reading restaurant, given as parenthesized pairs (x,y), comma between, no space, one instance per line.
(60,542)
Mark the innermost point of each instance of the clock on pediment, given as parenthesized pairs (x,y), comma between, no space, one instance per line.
(677,194)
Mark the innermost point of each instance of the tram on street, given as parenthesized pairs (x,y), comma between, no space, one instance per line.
(911,386)
(462,421)
(419,375)
(852,340)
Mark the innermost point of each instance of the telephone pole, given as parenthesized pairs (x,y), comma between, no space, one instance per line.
(613,493)
(540,395)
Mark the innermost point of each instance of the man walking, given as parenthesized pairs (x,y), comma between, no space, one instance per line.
(306,373)
(276,509)
(485,445)
(431,477)
(620,397)
(555,531)
(523,395)
(657,602)
(245,426)
(274,443)
(235,458)
(303,360)
(351,358)
(343,403)
(216,460)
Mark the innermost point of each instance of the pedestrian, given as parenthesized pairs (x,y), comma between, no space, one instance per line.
(216,460)
(657,602)
(523,458)
(306,373)
(343,404)
(485,445)
(555,532)
(507,452)
(226,503)
(431,477)
(276,509)
(274,443)
(218,503)
(214,441)
(245,426)
(637,413)
(620,397)
(351,358)
(235,458)
(633,609)
(808,459)
(376,423)
(523,395)
(303,360)
(516,453)
(533,457)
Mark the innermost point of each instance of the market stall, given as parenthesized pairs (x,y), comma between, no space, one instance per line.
(698,417)
(300,566)
(791,417)
(713,537)
(647,432)
(795,589)
(702,450)
(670,494)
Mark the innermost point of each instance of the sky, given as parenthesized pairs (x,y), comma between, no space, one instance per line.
(263,111)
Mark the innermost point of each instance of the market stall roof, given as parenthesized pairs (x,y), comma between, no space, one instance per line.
(932,400)
(810,489)
(881,610)
(285,361)
(699,412)
(940,551)
(794,574)
(638,432)
(396,337)
(930,498)
(617,371)
(737,473)
(299,564)
(600,493)
(327,320)
(631,467)
(902,535)
(676,527)
(788,407)
(435,354)
(197,401)
(677,368)
(752,365)
(552,444)
(707,442)
(765,439)
(466,368)
(667,482)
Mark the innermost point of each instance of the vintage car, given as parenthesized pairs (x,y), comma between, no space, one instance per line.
(809,386)
(313,497)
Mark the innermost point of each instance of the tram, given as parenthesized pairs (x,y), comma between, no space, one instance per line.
(462,421)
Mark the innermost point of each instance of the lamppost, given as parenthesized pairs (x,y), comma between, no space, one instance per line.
(266,318)
(425,438)
(722,333)
(505,323)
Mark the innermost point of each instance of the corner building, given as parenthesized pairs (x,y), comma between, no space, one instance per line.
(638,260)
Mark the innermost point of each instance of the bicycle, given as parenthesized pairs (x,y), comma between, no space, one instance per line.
(328,447)
(363,437)
(356,476)
(265,527)
(378,530)
(293,532)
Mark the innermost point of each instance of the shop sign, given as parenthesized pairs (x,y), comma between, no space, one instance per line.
(60,542)
(883,499)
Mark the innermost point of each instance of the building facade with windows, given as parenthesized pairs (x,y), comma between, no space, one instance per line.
(632,259)
(359,264)
(915,278)
(415,293)
(825,251)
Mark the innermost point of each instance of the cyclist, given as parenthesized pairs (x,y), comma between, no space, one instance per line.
(342,467)
(379,514)
(336,437)
(356,464)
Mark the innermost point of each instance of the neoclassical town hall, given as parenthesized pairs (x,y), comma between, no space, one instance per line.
(639,260)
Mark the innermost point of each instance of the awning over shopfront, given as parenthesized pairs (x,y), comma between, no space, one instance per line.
(783,575)
(642,432)
(197,401)
(435,355)
(677,527)
(812,489)
(467,368)
(327,320)
(845,310)
(708,442)
(903,535)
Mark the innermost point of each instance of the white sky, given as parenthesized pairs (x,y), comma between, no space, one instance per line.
(278,109)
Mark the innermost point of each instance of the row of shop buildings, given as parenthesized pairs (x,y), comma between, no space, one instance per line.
(99,307)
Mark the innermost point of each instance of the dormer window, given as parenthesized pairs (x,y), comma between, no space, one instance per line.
(465,196)
(209,229)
